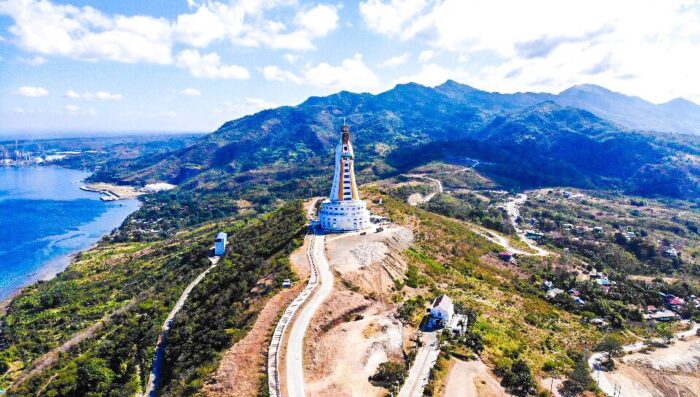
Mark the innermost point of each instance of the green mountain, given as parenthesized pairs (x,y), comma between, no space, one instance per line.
(523,140)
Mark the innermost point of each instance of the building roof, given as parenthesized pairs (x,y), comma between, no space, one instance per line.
(442,301)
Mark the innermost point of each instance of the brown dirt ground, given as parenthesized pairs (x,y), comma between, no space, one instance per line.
(472,378)
(355,330)
(666,372)
(244,364)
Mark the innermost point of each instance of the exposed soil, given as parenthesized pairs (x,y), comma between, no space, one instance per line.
(243,365)
(472,378)
(669,372)
(372,262)
(355,329)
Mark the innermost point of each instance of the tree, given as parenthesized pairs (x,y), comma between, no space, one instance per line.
(389,374)
(664,331)
(612,345)
(579,378)
(518,379)
(94,378)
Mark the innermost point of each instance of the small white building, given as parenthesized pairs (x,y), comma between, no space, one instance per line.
(443,309)
(220,244)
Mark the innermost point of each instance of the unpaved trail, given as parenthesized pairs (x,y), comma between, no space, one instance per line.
(513,214)
(420,369)
(640,375)
(48,359)
(239,370)
(511,208)
(472,378)
(417,198)
(152,386)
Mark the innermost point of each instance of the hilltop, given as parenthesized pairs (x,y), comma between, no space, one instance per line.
(287,143)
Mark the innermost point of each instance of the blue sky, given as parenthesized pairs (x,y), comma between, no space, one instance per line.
(179,66)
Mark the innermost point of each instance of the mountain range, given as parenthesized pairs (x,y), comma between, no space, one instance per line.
(586,136)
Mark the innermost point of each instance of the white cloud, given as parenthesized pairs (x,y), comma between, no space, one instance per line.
(274,73)
(431,75)
(259,103)
(248,106)
(396,60)
(209,66)
(77,110)
(34,61)
(190,92)
(85,33)
(426,55)
(392,16)
(291,58)
(99,95)
(318,21)
(653,51)
(32,92)
(351,74)
(244,23)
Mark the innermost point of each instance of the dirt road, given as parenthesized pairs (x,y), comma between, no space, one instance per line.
(418,373)
(630,383)
(152,386)
(513,214)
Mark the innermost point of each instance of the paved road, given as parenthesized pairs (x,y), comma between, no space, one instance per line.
(295,341)
(425,359)
(152,386)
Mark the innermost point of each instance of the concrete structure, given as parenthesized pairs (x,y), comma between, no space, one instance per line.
(343,211)
(442,309)
(220,244)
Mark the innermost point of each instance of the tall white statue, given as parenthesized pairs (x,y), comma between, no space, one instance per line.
(343,211)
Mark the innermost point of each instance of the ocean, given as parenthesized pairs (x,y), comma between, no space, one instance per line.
(45,218)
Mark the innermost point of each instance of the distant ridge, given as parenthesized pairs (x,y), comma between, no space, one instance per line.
(678,115)
(580,137)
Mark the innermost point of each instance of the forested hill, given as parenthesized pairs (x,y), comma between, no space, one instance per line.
(527,139)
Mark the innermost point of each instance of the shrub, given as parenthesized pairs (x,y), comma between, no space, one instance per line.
(389,374)
(518,379)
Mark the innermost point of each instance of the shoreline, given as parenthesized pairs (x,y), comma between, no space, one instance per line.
(52,267)
(112,192)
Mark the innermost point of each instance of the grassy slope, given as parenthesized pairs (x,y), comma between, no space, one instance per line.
(142,279)
(447,257)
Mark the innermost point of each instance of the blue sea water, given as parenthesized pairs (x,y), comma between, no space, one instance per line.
(45,218)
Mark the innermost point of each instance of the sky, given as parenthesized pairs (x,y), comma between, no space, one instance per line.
(189,65)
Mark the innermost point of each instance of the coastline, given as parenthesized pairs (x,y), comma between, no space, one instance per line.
(48,271)
(94,230)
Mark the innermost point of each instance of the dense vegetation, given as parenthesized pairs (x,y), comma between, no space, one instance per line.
(469,207)
(220,310)
(132,287)
(526,142)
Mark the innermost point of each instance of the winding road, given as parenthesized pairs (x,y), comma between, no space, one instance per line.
(513,214)
(295,340)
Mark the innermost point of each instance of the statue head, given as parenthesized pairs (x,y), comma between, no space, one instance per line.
(346,134)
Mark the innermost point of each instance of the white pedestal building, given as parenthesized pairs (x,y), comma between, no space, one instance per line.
(343,211)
